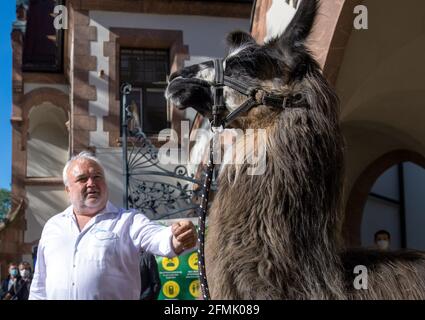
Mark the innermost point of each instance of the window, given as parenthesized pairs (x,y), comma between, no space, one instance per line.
(43,44)
(384,209)
(396,204)
(146,70)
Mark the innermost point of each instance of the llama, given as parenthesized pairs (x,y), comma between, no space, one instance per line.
(278,235)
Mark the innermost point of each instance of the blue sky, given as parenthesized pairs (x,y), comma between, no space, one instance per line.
(7,16)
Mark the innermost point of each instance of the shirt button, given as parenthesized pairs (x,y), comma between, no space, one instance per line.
(73,284)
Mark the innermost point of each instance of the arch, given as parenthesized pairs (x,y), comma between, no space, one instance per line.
(32,99)
(37,97)
(360,190)
(47,142)
(40,95)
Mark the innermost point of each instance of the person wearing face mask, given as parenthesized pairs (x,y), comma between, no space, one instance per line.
(9,286)
(382,240)
(24,283)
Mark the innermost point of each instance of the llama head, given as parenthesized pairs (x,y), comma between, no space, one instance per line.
(283,66)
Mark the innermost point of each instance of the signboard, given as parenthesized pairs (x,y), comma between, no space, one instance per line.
(179,275)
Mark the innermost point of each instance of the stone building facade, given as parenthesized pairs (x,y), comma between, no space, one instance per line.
(377,73)
(66,89)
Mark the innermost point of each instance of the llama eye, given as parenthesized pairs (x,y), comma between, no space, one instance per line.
(298,97)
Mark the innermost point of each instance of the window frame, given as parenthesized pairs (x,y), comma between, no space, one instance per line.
(145,86)
(400,202)
(57,67)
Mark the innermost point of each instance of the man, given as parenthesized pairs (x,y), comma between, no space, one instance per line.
(382,240)
(24,283)
(9,285)
(92,249)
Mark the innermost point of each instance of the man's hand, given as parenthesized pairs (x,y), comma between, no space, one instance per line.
(184,235)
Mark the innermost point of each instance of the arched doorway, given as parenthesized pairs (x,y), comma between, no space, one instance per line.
(395,204)
(386,195)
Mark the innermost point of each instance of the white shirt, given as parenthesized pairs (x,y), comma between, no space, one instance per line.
(101,261)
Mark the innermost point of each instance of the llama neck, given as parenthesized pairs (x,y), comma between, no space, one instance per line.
(288,214)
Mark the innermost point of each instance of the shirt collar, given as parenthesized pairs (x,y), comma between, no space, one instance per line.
(110,208)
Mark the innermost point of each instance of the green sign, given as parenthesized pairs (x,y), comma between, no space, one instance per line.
(179,277)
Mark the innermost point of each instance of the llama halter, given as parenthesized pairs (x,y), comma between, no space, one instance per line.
(256,96)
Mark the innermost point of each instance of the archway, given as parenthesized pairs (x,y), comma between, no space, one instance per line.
(360,191)
(47,141)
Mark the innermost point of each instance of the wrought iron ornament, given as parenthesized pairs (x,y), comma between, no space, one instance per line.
(159,199)
(157,190)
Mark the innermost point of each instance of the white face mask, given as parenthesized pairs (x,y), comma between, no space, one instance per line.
(383,244)
(24,273)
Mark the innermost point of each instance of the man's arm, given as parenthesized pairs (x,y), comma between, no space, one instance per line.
(38,284)
(160,240)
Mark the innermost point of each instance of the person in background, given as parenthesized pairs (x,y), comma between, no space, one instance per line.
(9,286)
(149,274)
(24,282)
(382,240)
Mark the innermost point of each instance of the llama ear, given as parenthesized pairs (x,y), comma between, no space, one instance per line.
(290,44)
(238,39)
(300,26)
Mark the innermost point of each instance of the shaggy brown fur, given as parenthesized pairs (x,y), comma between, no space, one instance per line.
(277,235)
